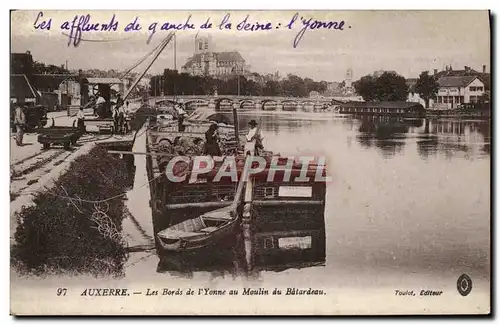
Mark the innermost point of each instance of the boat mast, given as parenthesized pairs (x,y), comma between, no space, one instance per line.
(160,49)
(175,64)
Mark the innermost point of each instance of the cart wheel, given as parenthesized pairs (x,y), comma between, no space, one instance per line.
(46,146)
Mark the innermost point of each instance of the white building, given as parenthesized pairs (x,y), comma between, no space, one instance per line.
(459,90)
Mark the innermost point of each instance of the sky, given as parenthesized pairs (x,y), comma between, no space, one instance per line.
(405,41)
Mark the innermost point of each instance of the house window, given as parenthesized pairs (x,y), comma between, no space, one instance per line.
(200,46)
(473,99)
(472,88)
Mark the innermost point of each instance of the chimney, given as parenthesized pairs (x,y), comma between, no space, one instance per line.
(484,68)
(435,71)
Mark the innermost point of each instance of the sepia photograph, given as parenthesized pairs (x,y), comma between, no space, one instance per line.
(258,162)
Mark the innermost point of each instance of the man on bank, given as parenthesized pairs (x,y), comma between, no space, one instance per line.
(80,115)
(119,113)
(20,122)
(100,103)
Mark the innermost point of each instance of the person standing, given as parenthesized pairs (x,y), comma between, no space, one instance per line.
(121,118)
(212,141)
(20,122)
(119,100)
(253,139)
(181,114)
(80,115)
(100,103)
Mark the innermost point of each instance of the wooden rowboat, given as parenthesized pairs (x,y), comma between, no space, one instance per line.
(203,231)
(200,232)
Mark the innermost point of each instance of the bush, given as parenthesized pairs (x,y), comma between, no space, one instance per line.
(60,235)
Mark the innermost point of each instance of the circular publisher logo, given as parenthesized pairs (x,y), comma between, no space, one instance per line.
(464,285)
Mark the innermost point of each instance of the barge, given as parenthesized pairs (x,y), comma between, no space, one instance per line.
(278,219)
(402,109)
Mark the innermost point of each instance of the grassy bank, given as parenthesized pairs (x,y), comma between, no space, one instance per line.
(67,230)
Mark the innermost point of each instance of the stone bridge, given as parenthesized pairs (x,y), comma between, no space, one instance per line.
(222,102)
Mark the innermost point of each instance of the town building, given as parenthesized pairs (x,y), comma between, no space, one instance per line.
(456,87)
(413,96)
(456,90)
(31,81)
(21,90)
(206,62)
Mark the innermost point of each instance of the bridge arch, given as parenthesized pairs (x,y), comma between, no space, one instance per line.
(266,101)
(290,101)
(195,100)
(245,101)
(165,101)
(218,102)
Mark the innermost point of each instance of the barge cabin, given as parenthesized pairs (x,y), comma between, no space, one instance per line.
(383,108)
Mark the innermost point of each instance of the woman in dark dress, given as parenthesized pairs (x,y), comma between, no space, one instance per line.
(212,144)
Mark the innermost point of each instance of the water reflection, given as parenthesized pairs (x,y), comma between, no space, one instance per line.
(449,137)
(384,133)
(417,200)
(220,261)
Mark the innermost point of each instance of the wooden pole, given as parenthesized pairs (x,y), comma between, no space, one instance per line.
(236,125)
(162,47)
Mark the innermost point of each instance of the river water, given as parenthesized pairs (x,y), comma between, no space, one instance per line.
(408,205)
(408,208)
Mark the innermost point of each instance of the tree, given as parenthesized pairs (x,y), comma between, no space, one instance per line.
(427,87)
(273,88)
(366,87)
(485,97)
(391,87)
(387,87)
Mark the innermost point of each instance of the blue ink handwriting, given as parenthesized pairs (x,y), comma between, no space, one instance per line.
(170,26)
(44,24)
(82,24)
(133,26)
(206,25)
(225,24)
(246,26)
(310,24)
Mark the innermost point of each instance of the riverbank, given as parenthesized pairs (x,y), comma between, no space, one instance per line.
(73,222)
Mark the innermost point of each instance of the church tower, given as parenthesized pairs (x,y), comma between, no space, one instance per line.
(348,78)
(202,44)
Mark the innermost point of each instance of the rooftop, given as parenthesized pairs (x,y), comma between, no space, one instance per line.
(389,105)
(109,81)
(458,81)
(219,56)
(21,87)
(49,82)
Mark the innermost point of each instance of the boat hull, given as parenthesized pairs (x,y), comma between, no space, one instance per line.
(199,241)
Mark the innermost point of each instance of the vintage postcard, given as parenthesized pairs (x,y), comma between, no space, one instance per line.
(250,162)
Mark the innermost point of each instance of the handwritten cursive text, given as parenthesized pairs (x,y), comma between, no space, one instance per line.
(312,24)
